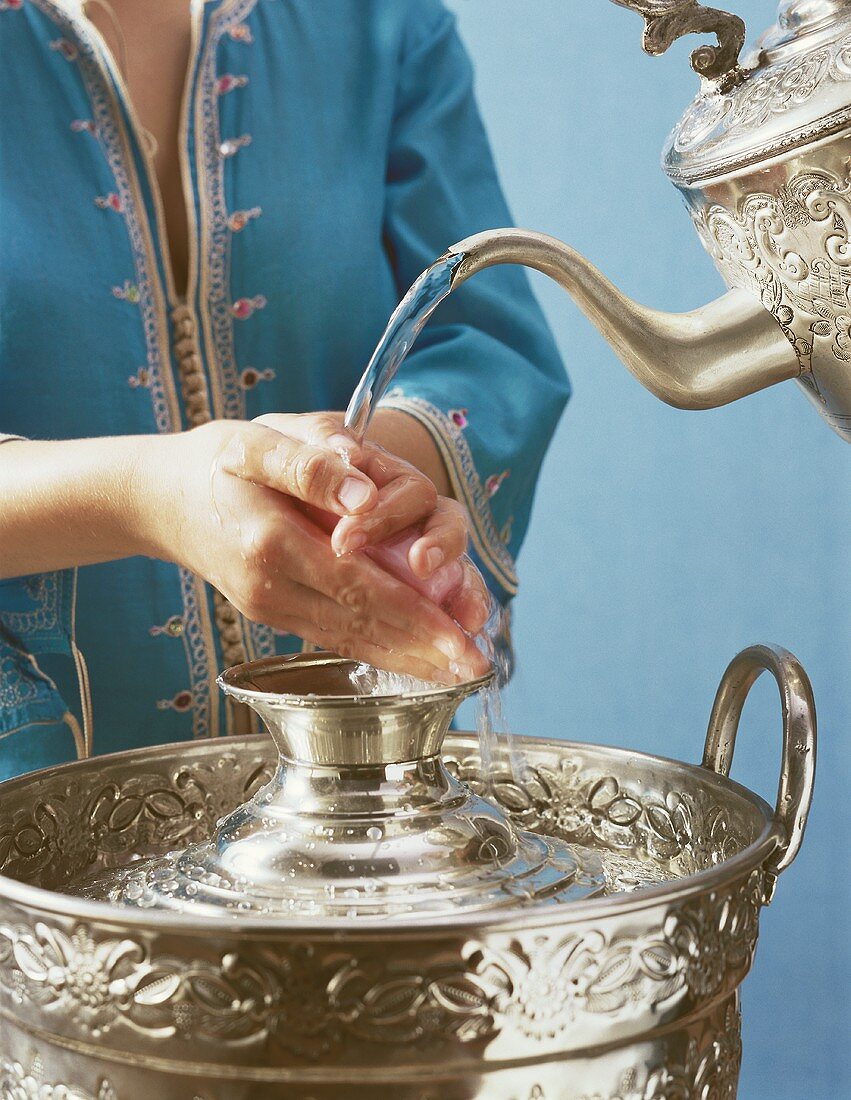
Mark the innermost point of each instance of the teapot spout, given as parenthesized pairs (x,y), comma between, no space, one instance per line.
(710,356)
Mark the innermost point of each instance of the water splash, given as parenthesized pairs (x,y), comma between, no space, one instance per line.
(369,680)
(404,326)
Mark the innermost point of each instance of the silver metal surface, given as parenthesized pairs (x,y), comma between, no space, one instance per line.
(762,160)
(360,820)
(797,773)
(667,20)
(793,94)
(698,360)
(629,995)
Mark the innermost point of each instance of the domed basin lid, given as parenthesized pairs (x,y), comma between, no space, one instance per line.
(792,90)
(361,818)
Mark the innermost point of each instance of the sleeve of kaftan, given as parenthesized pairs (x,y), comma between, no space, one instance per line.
(484,377)
(36,617)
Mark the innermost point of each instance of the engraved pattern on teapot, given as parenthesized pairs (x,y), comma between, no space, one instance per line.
(752,104)
(791,248)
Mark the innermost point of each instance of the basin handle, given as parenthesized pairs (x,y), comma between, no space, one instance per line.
(797,773)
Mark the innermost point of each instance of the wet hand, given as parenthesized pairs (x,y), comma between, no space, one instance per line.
(224,500)
(404,500)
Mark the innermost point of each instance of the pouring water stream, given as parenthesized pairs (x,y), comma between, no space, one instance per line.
(405,324)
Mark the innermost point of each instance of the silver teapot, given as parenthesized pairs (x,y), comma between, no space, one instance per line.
(762,158)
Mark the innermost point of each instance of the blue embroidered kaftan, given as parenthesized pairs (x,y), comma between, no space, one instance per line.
(333,150)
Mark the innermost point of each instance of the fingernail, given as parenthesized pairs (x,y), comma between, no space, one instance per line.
(353,493)
(434,559)
(449,648)
(342,444)
(355,541)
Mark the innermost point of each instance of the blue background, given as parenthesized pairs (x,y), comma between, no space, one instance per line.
(662,541)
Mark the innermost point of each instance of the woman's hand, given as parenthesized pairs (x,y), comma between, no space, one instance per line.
(227,500)
(404,499)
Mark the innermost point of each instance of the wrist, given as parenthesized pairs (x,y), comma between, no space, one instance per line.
(148,492)
(404,435)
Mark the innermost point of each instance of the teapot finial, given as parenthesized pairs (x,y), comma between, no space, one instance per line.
(667,20)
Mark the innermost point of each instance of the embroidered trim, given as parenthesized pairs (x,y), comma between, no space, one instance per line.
(468,488)
(243,308)
(231,146)
(215,244)
(113,139)
(15,689)
(182,702)
(251,377)
(129,292)
(262,640)
(227,82)
(198,646)
(241,33)
(217,228)
(44,587)
(239,219)
(171,628)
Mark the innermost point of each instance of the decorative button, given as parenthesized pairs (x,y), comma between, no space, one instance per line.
(231,146)
(243,308)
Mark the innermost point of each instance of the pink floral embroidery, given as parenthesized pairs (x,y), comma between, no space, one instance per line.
(493,483)
(241,33)
(140,379)
(239,219)
(173,627)
(68,50)
(83,125)
(227,82)
(181,702)
(458,417)
(242,308)
(11,5)
(250,377)
(231,146)
(109,202)
(127,293)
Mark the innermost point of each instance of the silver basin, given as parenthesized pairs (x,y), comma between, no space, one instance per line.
(630,993)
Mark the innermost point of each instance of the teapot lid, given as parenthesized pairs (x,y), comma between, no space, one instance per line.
(792,90)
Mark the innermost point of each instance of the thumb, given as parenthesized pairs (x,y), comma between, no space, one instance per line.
(315,475)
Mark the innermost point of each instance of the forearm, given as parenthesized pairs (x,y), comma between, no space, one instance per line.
(69,502)
(406,437)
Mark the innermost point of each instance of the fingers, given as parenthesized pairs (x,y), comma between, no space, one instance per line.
(405,496)
(324,429)
(314,474)
(443,538)
(380,656)
(471,604)
(332,617)
(368,593)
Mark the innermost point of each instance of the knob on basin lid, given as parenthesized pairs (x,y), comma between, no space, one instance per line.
(361,818)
